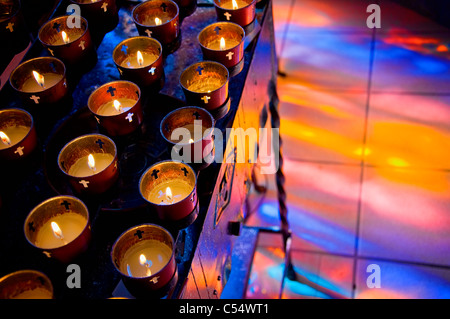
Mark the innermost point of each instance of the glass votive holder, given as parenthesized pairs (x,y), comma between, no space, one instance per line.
(189,133)
(26,284)
(72,45)
(40,82)
(102,15)
(89,163)
(223,42)
(140,60)
(59,227)
(205,84)
(159,19)
(18,136)
(241,12)
(144,256)
(117,107)
(170,188)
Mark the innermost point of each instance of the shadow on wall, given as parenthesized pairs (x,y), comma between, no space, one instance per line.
(436,10)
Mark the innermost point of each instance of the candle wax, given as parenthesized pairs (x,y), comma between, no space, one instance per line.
(229,43)
(149,19)
(38,293)
(31,85)
(180,190)
(82,169)
(74,34)
(206,85)
(71,225)
(131,61)
(229,4)
(108,108)
(192,130)
(15,134)
(157,255)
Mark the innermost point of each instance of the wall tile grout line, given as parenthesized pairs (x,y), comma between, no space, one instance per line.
(361,180)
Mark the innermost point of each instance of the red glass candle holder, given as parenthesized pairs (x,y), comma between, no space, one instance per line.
(241,12)
(145,258)
(140,60)
(26,284)
(117,107)
(170,188)
(102,15)
(18,137)
(90,164)
(59,227)
(158,19)
(189,133)
(73,46)
(205,84)
(40,82)
(223,42)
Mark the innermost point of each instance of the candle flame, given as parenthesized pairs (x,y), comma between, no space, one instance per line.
(5,138)
(117,106)
(144,262)
(235,5)
(169,194)
(91,162)
(191,140)
(57,231)
(65,37)
(140,58)
(222,43)
(39,78)
(158,21)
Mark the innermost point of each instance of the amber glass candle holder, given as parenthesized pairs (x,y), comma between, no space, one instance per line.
(223,42)
(73,46)
(205,84)
(241,12)
(144,256)
(40,82)
(26,284)
(117,107)
(170,188)
(59,227)
(18,137)
(140,60)
(89,163)
(159,19)
(189,133)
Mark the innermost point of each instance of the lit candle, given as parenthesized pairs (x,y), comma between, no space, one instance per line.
(40,82)
(139,60)
(12,135)
(223,42)
(233,4)
(59,227)
(170,188)
(60,230)
(166,195)
(241,12)
(146,258)
(115,107)
(65,37)
(89,165)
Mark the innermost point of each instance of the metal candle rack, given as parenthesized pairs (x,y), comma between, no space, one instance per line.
(24,185)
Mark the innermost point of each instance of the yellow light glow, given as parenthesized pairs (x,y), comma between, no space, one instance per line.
(39,78)
(191,140)
(5,139)
(117,106)
(222,43)
(65,37)
(56,230)
(169,194)
(140,58)
(235,5)
(158,21)
(91,162)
